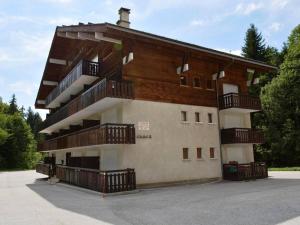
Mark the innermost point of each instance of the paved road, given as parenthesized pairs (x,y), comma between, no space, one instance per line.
(26,199)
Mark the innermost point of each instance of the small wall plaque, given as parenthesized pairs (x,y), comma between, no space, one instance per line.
(144,136)
(142,125)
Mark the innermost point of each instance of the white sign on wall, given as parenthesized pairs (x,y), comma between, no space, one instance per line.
(142,125)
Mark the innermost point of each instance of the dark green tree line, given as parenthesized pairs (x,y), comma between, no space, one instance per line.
(17,142)
(278,119)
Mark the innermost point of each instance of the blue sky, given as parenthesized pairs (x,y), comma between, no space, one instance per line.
(27,28)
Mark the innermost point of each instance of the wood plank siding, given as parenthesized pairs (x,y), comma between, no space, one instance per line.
(101,134)
(241,135)
(153,72)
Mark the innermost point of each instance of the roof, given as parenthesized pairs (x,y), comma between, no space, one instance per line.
(90,27)
(188,45)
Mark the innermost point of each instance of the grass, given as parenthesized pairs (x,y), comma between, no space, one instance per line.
(284,169)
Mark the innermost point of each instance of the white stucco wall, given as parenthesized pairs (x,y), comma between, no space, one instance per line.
(242,153)
(230,119)
(159,159)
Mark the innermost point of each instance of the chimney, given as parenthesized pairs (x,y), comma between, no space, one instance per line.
(124,17)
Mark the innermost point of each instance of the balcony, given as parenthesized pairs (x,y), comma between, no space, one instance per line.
(245,171)
(241,136)
(84,73)
(43,168)
(101,96)
(101,134)
(240,103)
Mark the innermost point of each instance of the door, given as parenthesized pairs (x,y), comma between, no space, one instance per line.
(230,88)
(68,156)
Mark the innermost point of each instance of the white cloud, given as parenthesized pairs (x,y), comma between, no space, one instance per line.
(9,19)
(246,9)
(62,21)
(23,87)
(275,26)
(279,4)
(4,57)
(234,52)
(30,47)
(59,1)
(197,23)
(2,80)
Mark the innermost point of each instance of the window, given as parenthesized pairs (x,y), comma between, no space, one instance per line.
(183,80)
(196,82)
(197,117)
(212,153)
(209,84)
(199,153)
(210,119)
(183,116)
(185,153)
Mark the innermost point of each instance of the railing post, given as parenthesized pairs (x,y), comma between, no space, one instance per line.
(252,165)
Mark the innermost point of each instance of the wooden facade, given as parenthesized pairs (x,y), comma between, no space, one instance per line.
(97,135)
(242,136)
(104,88)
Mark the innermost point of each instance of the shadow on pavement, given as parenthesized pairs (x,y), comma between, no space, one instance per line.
(267,201)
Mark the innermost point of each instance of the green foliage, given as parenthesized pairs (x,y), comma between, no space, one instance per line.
(13,107)
(17,143)
(281,104)
(284,169)
(254,47)
(35,121)
(279,94)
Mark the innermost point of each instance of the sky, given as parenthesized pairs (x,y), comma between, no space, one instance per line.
(27,28)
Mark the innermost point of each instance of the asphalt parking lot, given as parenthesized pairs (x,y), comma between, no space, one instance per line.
(27,199)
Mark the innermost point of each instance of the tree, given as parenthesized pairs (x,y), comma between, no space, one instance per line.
(281,104)
(17,144)
(34,120)
(13,107)
(254,47)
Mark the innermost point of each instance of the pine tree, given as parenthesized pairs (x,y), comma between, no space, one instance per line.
(254,47)
(13,107)
(34,120)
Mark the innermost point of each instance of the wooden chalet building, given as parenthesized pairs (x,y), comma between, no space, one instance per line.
(131,108)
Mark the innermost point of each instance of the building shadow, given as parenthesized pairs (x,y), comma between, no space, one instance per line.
(255,200)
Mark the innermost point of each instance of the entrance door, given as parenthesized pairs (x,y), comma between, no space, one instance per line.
(68,156)
(230,88)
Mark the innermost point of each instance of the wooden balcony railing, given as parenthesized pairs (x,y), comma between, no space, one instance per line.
(234,100)
(101,134)
(84,67)
(237,172)
(102,181)
(105,88)
(241,135)
(43,168)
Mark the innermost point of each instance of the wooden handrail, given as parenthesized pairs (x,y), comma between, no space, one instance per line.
(245,171)
(105,88)
(107,181)
(235,100)
(100,134)
(241,135)
(84,67)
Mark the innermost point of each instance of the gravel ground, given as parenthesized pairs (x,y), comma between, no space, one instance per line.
(27,199)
